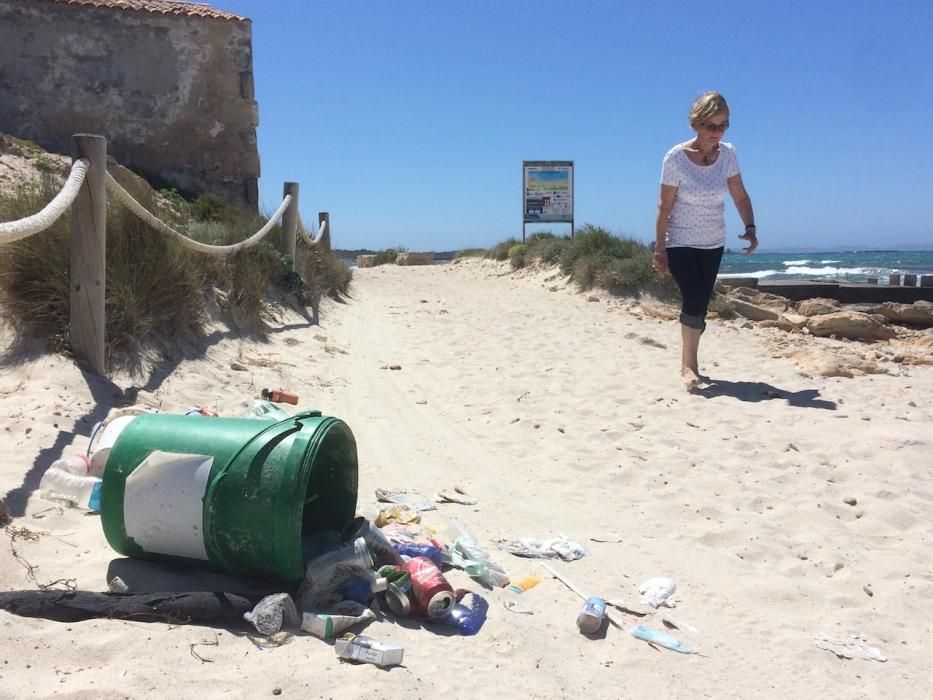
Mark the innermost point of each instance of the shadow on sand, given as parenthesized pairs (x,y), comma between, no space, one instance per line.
(755,392)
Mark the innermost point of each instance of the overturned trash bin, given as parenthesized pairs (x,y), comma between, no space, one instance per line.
(234,494)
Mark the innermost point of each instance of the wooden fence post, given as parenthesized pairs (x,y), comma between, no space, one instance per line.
(89,253)
(290,222)
(324,217)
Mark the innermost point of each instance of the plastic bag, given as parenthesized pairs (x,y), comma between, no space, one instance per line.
(272,613)
(327,575)
(658,591)
(566,549)
(466,554)
(265,409)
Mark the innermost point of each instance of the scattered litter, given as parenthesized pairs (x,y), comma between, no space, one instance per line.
(201,411)
(566,549)
(525,584)
(325,626)
(327,574)
(677,624)
(607,537)
(448,497)
(279,396)
(661,638)
(466,554)
(272,613)
(858,648)
(360,648)
(468,619)
(68,480)
(398,514)
(260,408)
(517,607)
(576,589)
(621,605)
(591,617)
(658,591)
(118,585)
(404,497)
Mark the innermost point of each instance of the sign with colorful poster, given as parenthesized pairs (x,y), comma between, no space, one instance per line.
(548,191)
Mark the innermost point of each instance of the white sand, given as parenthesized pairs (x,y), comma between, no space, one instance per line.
(737,493)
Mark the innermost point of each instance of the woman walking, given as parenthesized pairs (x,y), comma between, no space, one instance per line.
(691,229)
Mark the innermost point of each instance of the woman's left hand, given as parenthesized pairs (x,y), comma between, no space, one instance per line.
(752,239)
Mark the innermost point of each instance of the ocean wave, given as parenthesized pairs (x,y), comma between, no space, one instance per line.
(752,273)
(797,262)
(826,271)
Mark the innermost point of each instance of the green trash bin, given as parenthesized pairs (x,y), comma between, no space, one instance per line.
(233,494)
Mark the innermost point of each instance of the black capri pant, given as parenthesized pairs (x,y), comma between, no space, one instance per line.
(694,270)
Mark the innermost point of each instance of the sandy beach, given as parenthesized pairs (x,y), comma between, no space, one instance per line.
(560,413)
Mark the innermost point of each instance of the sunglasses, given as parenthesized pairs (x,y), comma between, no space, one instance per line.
(712,127)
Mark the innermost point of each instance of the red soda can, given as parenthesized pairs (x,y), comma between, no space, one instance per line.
(430,590)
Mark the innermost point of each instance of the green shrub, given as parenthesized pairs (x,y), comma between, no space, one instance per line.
(500,251)
(176,200)
(471,253)
(595,257)
(388,256)
(548,250)
(22,144)
(517,255)
(722,306)
(324,274)
(210,207)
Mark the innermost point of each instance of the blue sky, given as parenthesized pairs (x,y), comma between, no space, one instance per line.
(409,120)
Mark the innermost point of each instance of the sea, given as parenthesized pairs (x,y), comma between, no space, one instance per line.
(851,266)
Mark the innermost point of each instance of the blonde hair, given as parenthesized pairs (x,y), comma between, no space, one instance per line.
(708,105)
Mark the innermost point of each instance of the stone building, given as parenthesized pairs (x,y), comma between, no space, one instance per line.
(170,85)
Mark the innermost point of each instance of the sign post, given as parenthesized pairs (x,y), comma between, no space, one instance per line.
(547,193)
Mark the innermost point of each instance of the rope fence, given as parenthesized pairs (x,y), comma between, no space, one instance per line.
(24,228)
(85,193)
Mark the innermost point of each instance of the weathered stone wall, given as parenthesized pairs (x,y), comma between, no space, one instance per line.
(173,94)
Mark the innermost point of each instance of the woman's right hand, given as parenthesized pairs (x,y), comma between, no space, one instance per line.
(660,263)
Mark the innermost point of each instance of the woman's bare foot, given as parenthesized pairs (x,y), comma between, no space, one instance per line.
(691,379)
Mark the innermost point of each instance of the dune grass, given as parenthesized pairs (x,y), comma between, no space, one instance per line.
(592,258)
(156,289)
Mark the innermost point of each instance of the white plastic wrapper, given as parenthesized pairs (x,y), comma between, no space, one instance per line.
(658,591)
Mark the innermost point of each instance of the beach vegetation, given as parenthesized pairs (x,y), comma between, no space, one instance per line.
(546,248)
(471,253)
(592,258)
(22,144)
(721,305)
(157,290)
(501,250)
(517,255)
(388,256)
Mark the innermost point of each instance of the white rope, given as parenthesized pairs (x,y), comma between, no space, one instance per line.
(23,228)
(190,243)
(307,237)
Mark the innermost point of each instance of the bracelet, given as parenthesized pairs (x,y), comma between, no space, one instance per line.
(748,226)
